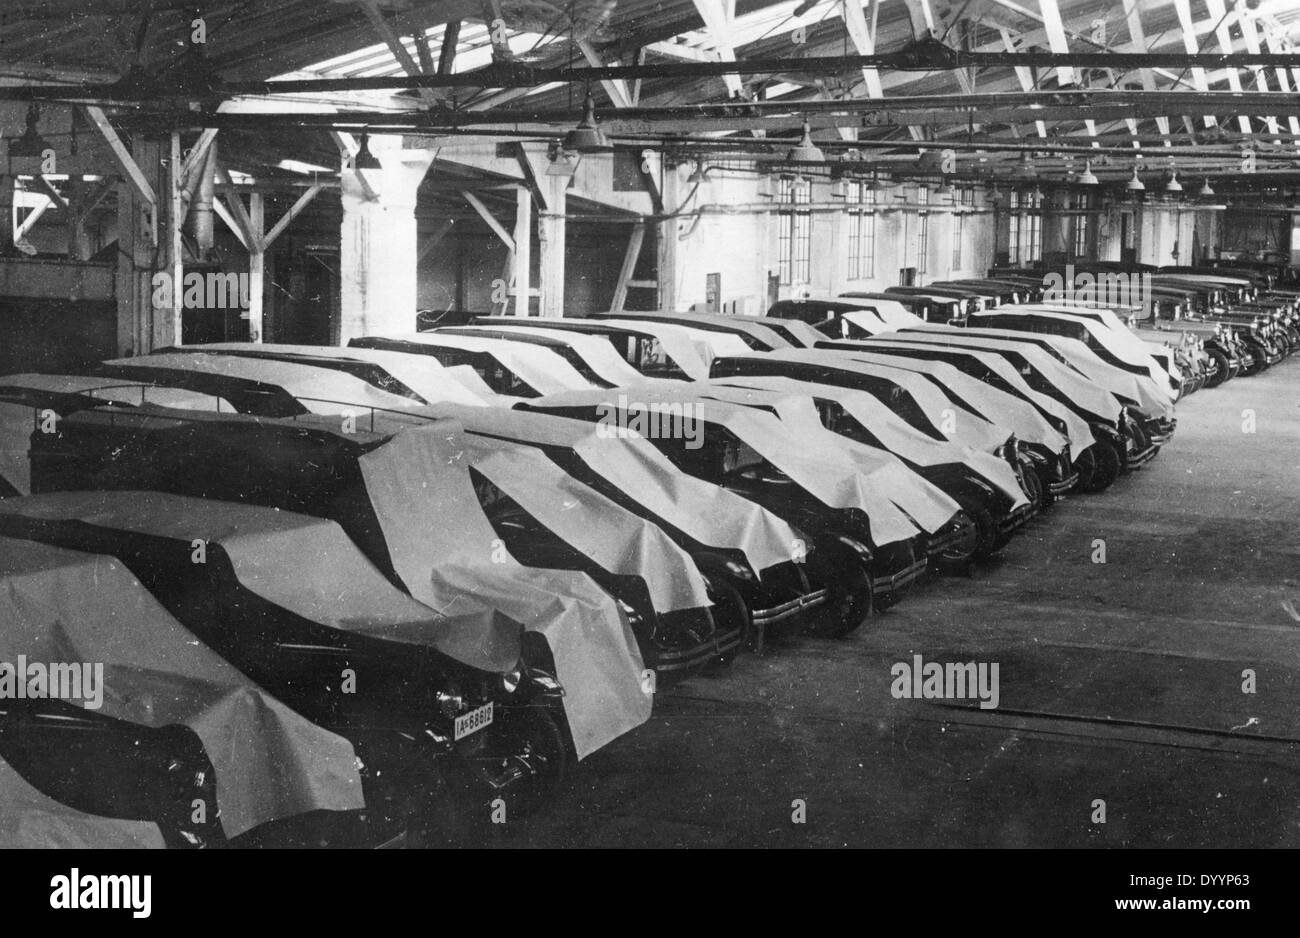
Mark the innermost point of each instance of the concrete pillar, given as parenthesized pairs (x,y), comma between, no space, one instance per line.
(551,244)
(377,251)
(6,214)
(667,249)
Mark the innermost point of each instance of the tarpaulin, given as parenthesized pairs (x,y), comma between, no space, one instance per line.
(1147,396)
(798,333)
(610,535)
(70,607)
(420,373)
(705,345)
(1076,428)
(445,551)
(928,506)
(319,390)
(594,351)
(969,428)
(301,563)
(32,820)
(690,356)
(1111,334)
(884,317)
(705,512)
(540,368)
(996,406)
(895,434)
(1081,392)
(29,394)
(761,336)
(817,467)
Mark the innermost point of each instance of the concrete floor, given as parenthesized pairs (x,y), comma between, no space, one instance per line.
(1120,682)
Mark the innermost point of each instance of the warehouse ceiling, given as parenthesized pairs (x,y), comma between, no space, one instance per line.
(1182,84)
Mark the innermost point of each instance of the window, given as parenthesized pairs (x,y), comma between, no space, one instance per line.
(923,230)
(862,231)
(1080,240)
(1013,229)
(1034,250)
(794,234)
(965,199)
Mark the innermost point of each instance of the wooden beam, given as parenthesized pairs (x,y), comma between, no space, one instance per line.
(718,22)
(434,238)
(395,46)
(256,265)
(224,214)
(630,256)
(523,249)
(194,159)
(1188,29)
(616,89)
(235,203)
(294,211)
(124,158)
(450,39)
(1023,75)
(477,204)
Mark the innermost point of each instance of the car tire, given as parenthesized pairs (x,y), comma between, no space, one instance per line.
(1106,466)
(1222,368)
(848,602)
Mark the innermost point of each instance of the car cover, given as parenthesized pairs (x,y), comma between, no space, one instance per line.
(795,331)
(420,373)
(449,557)
(819,467)
(67,606)
(24,397)
(706,345)
(707,513)
(896,435)
(994,405)
(1076,428)
(926,504)
(594,351)
(318,390)
(32,820)
(1111,334)
(587,521)
(970,429)
(759,334)
(1146,395)
(1081,392)
(542,369)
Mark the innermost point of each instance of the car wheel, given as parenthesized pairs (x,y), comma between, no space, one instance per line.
(848,601)
(737,612)
(1221,368)
(1106,466)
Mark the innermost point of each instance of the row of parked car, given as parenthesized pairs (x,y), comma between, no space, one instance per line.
(271,594)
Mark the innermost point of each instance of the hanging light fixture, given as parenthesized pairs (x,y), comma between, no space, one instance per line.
(1173,185)
(1087,178)
(31,143)
(1135,184)
(364,158)
(587,137)
(1205,190)
(1027,168)
(947,190)
(806,151)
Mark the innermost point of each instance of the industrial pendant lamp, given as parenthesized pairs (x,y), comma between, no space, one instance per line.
(364,158)
(1173,185)
(31,143)
(806,151)
(1087,178)
(587,137)
(1135,184)
(1205,191)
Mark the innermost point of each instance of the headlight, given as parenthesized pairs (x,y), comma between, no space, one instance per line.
(512,680)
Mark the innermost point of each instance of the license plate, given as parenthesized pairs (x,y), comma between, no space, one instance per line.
(473,721)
